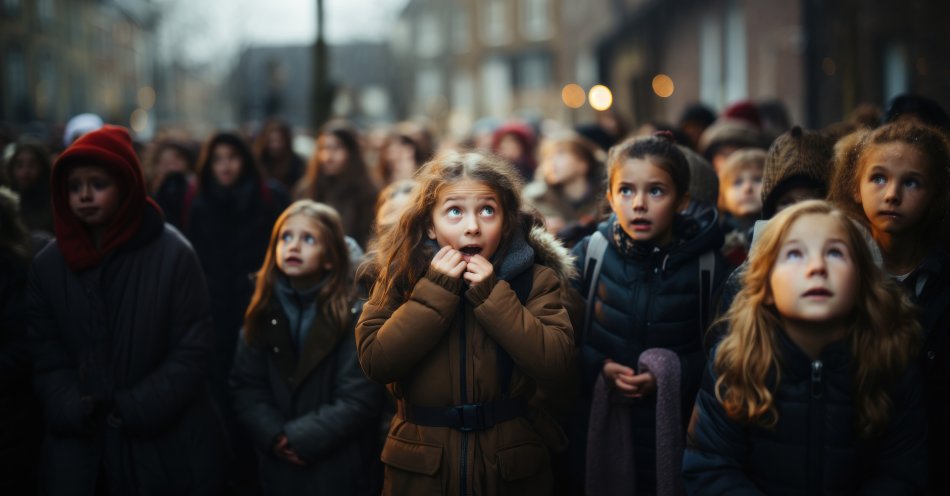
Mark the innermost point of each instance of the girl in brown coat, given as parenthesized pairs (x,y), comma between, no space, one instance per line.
(445,328)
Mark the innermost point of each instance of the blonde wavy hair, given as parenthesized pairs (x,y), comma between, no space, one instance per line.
(885,334)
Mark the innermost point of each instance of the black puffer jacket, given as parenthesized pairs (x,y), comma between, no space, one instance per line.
(317,396)
(230,229)
(129,339)
(813,449)
(933,298)
(650,299)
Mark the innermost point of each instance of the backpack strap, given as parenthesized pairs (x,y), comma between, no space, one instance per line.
(707,274)
(593,261)
(521,285)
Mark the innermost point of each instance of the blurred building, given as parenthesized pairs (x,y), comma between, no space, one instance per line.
(821,59)
(460,60)
(276,81)
(63,57)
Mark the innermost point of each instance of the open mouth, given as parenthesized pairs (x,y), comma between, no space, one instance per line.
(470,250)
(889,213)
(640,224)
(293,260)
(818,292)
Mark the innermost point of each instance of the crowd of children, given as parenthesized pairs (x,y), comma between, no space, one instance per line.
(708,308)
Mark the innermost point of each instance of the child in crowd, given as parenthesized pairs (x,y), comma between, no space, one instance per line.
(298,389)
(896,178)
(122,336)
(338,176)
(812,391)
(740,201)
(464,322)
(569,192)
(28,171)
(641,347)
(392,202)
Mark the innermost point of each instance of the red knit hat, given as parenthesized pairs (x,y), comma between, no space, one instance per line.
(745,110)
(110,148)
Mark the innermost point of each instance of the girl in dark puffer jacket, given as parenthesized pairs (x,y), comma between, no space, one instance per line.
(812,391)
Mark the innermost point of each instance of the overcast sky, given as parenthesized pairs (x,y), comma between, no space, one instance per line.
(218,29)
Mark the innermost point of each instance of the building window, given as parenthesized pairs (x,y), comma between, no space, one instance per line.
(494,22)
(535,19)
(45,13)
(461,36)
(710,61)
(16,84)
(895,70)
(428,39)
(496,87)
(534,71)
(428,87)
(463,93)
(736,54)
(11,8)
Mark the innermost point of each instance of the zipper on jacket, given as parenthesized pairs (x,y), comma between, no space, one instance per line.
(463,396)
(815,426)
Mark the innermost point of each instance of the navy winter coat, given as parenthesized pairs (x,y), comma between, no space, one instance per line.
(813,449)
(650,299)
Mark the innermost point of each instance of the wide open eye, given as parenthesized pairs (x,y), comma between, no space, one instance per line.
(487,211)
(878,179)
(454,212)
(793,254)
(287,237)
(309,239)
(657,191)
(625,190)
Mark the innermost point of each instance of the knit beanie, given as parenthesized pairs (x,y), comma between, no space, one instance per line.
(110,147)
(745,110)
(798,157)
(729,132)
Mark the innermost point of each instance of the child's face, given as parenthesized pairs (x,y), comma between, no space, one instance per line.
(645,200)
(170,161)
(814,279)
(25,171)
(562,166)
(93,195)
(467,216)
(895,188)
(743,193)
(331,154)
(300,251)
(510,148)
(225,165)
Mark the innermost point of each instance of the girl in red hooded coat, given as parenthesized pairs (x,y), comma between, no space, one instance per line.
(122,336)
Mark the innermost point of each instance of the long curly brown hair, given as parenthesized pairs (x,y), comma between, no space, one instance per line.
(885,334)
(400,257)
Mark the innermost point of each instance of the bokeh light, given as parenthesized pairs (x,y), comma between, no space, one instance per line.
(573,95)
(139,120)
(663,86)
(600,97)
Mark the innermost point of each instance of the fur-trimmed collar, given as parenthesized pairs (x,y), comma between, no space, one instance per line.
(551,253)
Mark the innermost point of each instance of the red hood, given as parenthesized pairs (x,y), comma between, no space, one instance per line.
(111,148)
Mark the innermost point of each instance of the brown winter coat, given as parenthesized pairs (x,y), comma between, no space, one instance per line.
(415,348)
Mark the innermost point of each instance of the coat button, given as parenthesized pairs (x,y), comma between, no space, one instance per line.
(273,321)
(931,355)
(276,350)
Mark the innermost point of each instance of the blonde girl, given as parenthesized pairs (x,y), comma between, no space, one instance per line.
(463,323)
(297,386)
(812,390)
